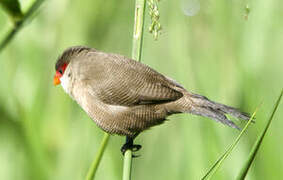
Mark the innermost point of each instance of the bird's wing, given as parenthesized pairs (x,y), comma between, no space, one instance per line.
(117,80)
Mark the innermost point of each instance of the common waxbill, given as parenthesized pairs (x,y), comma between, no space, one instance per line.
(126,97)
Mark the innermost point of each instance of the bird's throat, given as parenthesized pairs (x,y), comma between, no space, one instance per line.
(66,83)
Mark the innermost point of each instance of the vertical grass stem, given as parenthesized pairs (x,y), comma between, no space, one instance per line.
(136,54)
(138,30)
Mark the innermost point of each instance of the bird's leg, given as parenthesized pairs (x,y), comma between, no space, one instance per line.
(130,145)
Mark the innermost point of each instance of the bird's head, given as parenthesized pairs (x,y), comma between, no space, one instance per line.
(60,69)
(65,59)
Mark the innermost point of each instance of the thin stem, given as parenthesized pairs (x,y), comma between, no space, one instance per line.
(95,163)
(258,143)
(138,30)
(19,24)
(127,165)
(136,54)
(218,163)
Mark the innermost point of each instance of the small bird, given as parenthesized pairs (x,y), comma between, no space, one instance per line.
(125,97)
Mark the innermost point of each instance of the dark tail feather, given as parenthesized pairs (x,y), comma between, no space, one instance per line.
(205,107)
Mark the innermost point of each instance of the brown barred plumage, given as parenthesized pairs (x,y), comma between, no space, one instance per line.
(126,97)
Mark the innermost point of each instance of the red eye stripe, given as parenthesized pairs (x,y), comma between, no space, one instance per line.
(61,70)
(64,67)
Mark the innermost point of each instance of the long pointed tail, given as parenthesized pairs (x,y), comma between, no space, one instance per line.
(205,107)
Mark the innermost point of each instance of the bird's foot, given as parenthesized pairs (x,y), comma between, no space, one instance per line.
(132,147)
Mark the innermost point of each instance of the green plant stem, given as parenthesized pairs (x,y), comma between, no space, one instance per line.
(19,24)
(95,163)
(127,165)
(136,54)
(218,163)
(138,30)
(258,142)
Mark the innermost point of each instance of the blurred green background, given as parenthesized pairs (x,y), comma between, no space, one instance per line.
(218,53)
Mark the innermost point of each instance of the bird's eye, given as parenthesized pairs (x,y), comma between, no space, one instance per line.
(60,71)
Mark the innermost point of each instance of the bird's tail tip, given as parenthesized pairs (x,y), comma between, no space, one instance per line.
(216,111)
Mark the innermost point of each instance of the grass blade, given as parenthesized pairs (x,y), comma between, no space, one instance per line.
(95,163)
(258,142)
(20,24)
(13,8)
(220,160)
